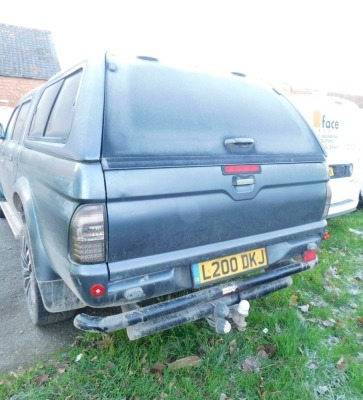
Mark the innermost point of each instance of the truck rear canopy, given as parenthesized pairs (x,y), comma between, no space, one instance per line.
(158,115)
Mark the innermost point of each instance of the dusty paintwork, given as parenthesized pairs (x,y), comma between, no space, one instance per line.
(127,180)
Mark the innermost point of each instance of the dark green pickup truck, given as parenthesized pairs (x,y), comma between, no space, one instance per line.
(129,179)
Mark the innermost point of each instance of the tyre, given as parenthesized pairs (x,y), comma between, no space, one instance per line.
(2,215)
(37,312)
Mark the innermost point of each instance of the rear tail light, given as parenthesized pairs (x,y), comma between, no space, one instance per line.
(327,201)
(87,234)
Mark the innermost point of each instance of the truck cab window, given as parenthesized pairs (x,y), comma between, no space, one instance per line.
(10,127)
(19,124)
(61,117)
(44,108)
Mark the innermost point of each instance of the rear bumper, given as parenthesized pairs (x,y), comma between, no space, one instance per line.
(161,316)
(150,277)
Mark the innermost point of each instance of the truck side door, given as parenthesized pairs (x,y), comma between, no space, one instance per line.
(11,147)
(3,144)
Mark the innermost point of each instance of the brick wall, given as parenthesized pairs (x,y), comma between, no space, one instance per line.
(12,89)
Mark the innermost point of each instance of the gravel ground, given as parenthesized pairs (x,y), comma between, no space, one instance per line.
(22,343)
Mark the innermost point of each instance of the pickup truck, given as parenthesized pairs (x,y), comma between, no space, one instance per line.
(174,193)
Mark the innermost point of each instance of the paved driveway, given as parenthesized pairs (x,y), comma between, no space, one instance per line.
(21,343)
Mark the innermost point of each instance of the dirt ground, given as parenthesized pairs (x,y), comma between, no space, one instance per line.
(21,343)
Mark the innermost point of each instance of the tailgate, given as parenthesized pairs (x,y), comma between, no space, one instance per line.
(157,211)
(168,135)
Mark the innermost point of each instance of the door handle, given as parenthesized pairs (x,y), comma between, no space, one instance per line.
(238,181)
(241,142)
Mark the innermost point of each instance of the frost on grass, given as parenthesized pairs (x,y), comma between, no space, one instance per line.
(333,385)
(318,302)
(354,290)
(359,276)
(329,322)
(331,272)
(332,341)
(313,364)
(327,380)
(323,323)
(331,277)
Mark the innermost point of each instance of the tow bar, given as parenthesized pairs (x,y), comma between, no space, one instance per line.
(141,322)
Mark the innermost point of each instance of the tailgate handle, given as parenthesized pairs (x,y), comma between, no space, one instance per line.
(237,181)
(234,143)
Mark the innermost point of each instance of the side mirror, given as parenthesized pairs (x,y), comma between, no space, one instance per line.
(2,132)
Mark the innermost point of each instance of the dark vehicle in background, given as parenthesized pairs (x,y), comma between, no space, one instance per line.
(127,180)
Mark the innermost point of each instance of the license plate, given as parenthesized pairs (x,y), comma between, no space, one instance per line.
(331,171)
(214,270)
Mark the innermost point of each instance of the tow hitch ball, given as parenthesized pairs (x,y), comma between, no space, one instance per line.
(237,313)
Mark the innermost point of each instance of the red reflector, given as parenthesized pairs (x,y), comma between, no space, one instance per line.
(309,255)
(97,290)
(241,169)
(326,235)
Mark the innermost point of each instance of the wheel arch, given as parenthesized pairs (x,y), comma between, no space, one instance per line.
(25,205)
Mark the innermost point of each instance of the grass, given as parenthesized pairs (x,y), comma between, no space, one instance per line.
(316,354)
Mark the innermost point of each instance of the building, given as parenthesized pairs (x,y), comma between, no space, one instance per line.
(27,59)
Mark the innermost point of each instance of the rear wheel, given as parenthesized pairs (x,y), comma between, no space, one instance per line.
(37,312)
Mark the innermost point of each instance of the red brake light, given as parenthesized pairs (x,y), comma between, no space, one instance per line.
(241,169)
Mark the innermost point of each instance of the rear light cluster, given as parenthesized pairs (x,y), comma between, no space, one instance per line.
(87,234)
